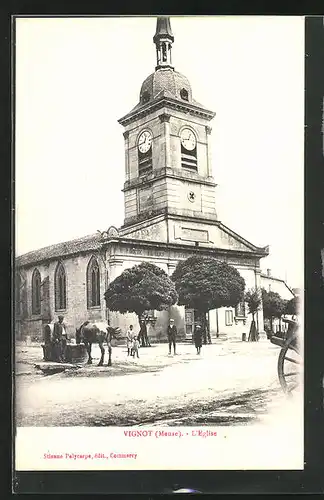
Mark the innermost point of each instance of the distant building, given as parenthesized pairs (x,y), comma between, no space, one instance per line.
(170,214)
(272,284)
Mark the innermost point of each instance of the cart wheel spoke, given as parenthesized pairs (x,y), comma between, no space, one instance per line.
(290,374)
(293,387)
(287,383)
(292,360)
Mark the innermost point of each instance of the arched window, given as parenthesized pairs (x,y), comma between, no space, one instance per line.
(93,283)
(36,292)
(60,287)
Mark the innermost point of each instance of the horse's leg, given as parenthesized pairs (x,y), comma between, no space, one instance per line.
(102,350)
(90,351)
(88,348)
(109,355)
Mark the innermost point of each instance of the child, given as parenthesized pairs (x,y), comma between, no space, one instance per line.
(135,346)
(129,340)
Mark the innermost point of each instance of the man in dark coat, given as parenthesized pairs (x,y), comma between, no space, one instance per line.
(142,336)
(172,335)
(198,334)
(60,339)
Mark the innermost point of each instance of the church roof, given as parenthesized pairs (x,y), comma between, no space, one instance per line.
(85,244)
(166,79)
(165,83)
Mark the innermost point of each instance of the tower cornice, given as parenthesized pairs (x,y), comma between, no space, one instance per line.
(172,174)
(168,102)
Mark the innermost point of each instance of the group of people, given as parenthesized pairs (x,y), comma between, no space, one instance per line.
(172,336)
(133,340)
(133,343)
(56,341)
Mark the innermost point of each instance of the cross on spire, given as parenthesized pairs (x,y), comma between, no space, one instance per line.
(163,40)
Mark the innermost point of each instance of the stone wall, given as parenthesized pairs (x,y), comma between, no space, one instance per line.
(119,256)
(76,301)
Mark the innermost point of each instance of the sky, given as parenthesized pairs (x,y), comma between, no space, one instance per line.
(75,77)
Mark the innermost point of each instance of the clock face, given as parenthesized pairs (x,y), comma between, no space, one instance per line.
(145,141)
(188,139)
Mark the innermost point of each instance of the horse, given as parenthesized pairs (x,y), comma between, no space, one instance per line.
(97,332)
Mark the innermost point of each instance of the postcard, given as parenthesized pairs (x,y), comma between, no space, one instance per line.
(159,243)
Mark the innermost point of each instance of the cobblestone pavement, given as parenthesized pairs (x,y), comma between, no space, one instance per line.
(230,383)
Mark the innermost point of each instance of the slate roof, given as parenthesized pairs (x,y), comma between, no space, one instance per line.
(165,82)
(166,79)
(85,244)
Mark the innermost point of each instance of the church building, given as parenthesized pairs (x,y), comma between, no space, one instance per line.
(170,214)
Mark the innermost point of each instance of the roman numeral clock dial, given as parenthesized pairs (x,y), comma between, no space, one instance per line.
(188,139)
(145,141)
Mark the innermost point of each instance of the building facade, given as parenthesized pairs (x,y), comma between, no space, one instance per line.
(170,214)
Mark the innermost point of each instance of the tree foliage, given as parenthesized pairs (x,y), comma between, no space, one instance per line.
(205,283)
(140,288)
(253,298)
(273,304)
(292,306)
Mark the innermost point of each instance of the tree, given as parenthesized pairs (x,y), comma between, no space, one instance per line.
(292,306)
(141,288)
(205,283)
(273,306)
(253,299)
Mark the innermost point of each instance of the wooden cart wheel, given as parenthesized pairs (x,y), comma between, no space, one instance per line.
(290,366)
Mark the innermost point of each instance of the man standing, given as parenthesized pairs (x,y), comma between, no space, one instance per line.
(143,334)
(129,340)
(60,339)
(172,334)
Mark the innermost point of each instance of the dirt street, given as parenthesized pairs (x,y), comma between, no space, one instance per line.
(230,383)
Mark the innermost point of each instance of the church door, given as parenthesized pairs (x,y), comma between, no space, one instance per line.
(191,316)
(189,323)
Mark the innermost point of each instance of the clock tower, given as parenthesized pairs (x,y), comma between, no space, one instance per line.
(167,151)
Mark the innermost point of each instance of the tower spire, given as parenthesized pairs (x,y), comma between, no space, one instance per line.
(163,40)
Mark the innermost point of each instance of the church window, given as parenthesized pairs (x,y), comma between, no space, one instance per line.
(240,310)
(229,318)
(60,287)
(93,283)
(36,292)
(184,94)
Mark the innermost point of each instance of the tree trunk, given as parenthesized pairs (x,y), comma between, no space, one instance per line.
(253,331)
(140,335)
(204,326)
(271,325)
